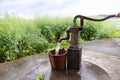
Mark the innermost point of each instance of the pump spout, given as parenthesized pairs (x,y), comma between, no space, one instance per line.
(66,37)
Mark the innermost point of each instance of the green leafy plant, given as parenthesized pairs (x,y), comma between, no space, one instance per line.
(41,76)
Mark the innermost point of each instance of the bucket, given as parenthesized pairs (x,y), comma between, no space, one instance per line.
(57,62)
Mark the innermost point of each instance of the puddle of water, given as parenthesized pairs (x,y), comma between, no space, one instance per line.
(87,74)
(118,44)
(88,71)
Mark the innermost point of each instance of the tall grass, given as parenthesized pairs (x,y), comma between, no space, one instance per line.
(21,37)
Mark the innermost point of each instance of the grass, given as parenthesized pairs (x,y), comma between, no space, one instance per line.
(20,37)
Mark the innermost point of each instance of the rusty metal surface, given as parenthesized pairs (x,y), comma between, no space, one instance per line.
(118,15)
(74,59)
(91,19)
(66,37)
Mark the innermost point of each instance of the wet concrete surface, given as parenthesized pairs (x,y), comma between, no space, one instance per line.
(26,68)
(107,46)
(110,64)
(88,71)
(103,53)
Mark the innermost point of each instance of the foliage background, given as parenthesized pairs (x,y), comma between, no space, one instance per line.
(20,37)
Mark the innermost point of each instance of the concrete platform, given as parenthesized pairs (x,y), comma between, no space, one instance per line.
(88,71)
(103,53)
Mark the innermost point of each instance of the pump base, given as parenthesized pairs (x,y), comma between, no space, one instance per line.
(74,58)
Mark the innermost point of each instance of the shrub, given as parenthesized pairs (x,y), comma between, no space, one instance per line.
(7,47)
(90,31)
(39,44)
(99,30)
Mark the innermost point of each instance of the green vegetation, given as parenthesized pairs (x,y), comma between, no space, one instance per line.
(99,30)
(21,37)
(41,76)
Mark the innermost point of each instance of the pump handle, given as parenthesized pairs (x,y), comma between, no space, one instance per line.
(118,15)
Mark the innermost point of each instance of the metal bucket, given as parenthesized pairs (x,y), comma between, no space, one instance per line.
(57,62)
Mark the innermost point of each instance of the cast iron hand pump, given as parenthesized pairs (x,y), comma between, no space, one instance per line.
(75,29)
(74,51)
